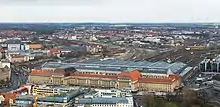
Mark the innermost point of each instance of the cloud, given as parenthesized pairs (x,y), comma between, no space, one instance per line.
(51,2)
(111,10)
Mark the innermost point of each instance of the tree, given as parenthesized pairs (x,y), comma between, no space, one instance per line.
(189,97)
(149,100)
(170,104)
(7,80)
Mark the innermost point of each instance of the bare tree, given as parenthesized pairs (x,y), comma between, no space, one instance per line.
(189,97)
(149,100)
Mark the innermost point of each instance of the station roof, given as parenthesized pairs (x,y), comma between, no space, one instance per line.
(185,71)
(118,65)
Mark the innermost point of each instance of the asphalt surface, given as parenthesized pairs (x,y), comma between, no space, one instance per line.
(138,101)
(18,77)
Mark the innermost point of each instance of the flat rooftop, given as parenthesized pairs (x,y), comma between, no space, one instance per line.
(100,100)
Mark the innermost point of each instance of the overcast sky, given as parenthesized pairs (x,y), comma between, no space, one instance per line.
(110,11)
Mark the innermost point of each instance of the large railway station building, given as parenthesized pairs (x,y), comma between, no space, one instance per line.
(142,75)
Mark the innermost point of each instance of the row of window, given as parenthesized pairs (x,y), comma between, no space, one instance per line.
(111,105)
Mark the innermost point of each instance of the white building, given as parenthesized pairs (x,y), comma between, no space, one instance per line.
(106,98)
(105,102)
(14,45)
(152,39)
(4,64)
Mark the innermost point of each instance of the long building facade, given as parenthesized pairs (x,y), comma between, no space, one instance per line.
(133,79)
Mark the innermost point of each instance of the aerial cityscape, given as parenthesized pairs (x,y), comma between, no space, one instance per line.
(109,65)
(109,53)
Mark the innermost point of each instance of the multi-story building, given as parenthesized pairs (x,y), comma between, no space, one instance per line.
(22,55)
(49,95)
(33,46)
(125,79)
(51,89)
(93,48)
(106,98)
(14,45)
(210,65)
(18,57)
(109,93)
(105,102)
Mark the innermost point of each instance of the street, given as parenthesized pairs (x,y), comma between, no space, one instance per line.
(18,77)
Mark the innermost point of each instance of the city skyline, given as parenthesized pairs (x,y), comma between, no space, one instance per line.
(114,11)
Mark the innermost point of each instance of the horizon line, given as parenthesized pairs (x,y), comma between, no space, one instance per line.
(97,22)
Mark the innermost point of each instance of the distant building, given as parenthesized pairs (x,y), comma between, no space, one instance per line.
(3,64)
(53,52)
(16,58)
(200,47)
(93,38)
(105,102)
(33,46)
(210,65)
(22,55)
(72,50)
(14,45)
(93,49)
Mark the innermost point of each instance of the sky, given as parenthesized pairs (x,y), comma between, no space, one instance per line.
(112,11)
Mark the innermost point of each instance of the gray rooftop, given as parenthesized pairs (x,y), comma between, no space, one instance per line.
(13,41)
(118,65)
(103,100)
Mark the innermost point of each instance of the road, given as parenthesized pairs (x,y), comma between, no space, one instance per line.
(138,100)
(18,76)
(14,82)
